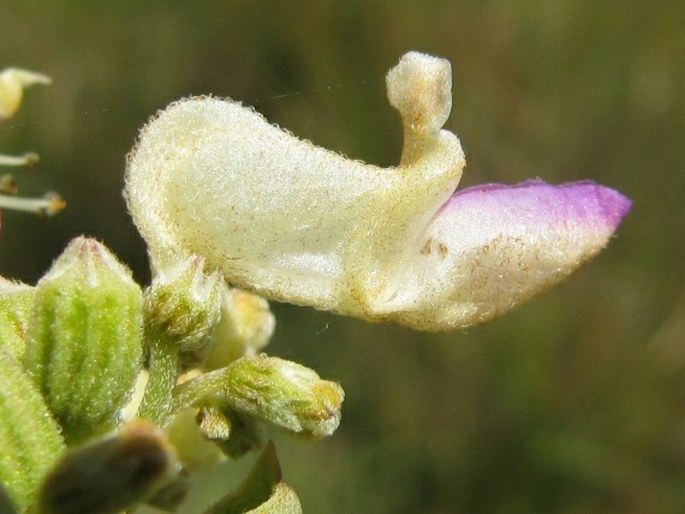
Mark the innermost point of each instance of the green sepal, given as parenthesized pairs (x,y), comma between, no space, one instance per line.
(85,338)
(281,392)
(30,441)
(262,492)
(110,474)
(16,300)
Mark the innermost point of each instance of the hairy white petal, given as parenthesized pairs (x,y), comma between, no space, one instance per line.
(298,223)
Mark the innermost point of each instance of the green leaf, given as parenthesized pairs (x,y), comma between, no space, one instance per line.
(262,492)
(30,442)
(283,500)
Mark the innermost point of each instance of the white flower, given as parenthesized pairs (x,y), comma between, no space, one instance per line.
(298,223)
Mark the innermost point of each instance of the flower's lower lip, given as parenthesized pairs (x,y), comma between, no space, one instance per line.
(492,247)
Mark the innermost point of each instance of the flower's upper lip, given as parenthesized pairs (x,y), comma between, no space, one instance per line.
(491,247)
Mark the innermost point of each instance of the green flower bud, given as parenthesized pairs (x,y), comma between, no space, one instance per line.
(110,474)
(16,300)
(245,328)
(85,338)
(30,442)
(262,492)
(281,392)
(184,303)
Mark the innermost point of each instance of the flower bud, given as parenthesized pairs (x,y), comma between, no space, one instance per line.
(110,474)
(245,328)
(16,300)
(281,392)
(85,338)
(185,303)
(30,442)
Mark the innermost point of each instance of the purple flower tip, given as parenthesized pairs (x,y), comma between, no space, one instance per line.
(577,201)
(492,247)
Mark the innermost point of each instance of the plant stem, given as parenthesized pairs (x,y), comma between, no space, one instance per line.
(163,369)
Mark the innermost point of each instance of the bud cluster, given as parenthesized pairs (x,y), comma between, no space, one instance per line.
(112,393)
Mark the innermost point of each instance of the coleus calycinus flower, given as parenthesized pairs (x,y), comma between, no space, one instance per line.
(12,83)
(300,224)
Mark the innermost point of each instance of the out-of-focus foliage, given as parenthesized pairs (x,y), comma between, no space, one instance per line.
(572,404)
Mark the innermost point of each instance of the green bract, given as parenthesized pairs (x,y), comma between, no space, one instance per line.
(262,492)
(85,338)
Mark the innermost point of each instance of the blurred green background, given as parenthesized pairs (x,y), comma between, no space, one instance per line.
(574,403)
